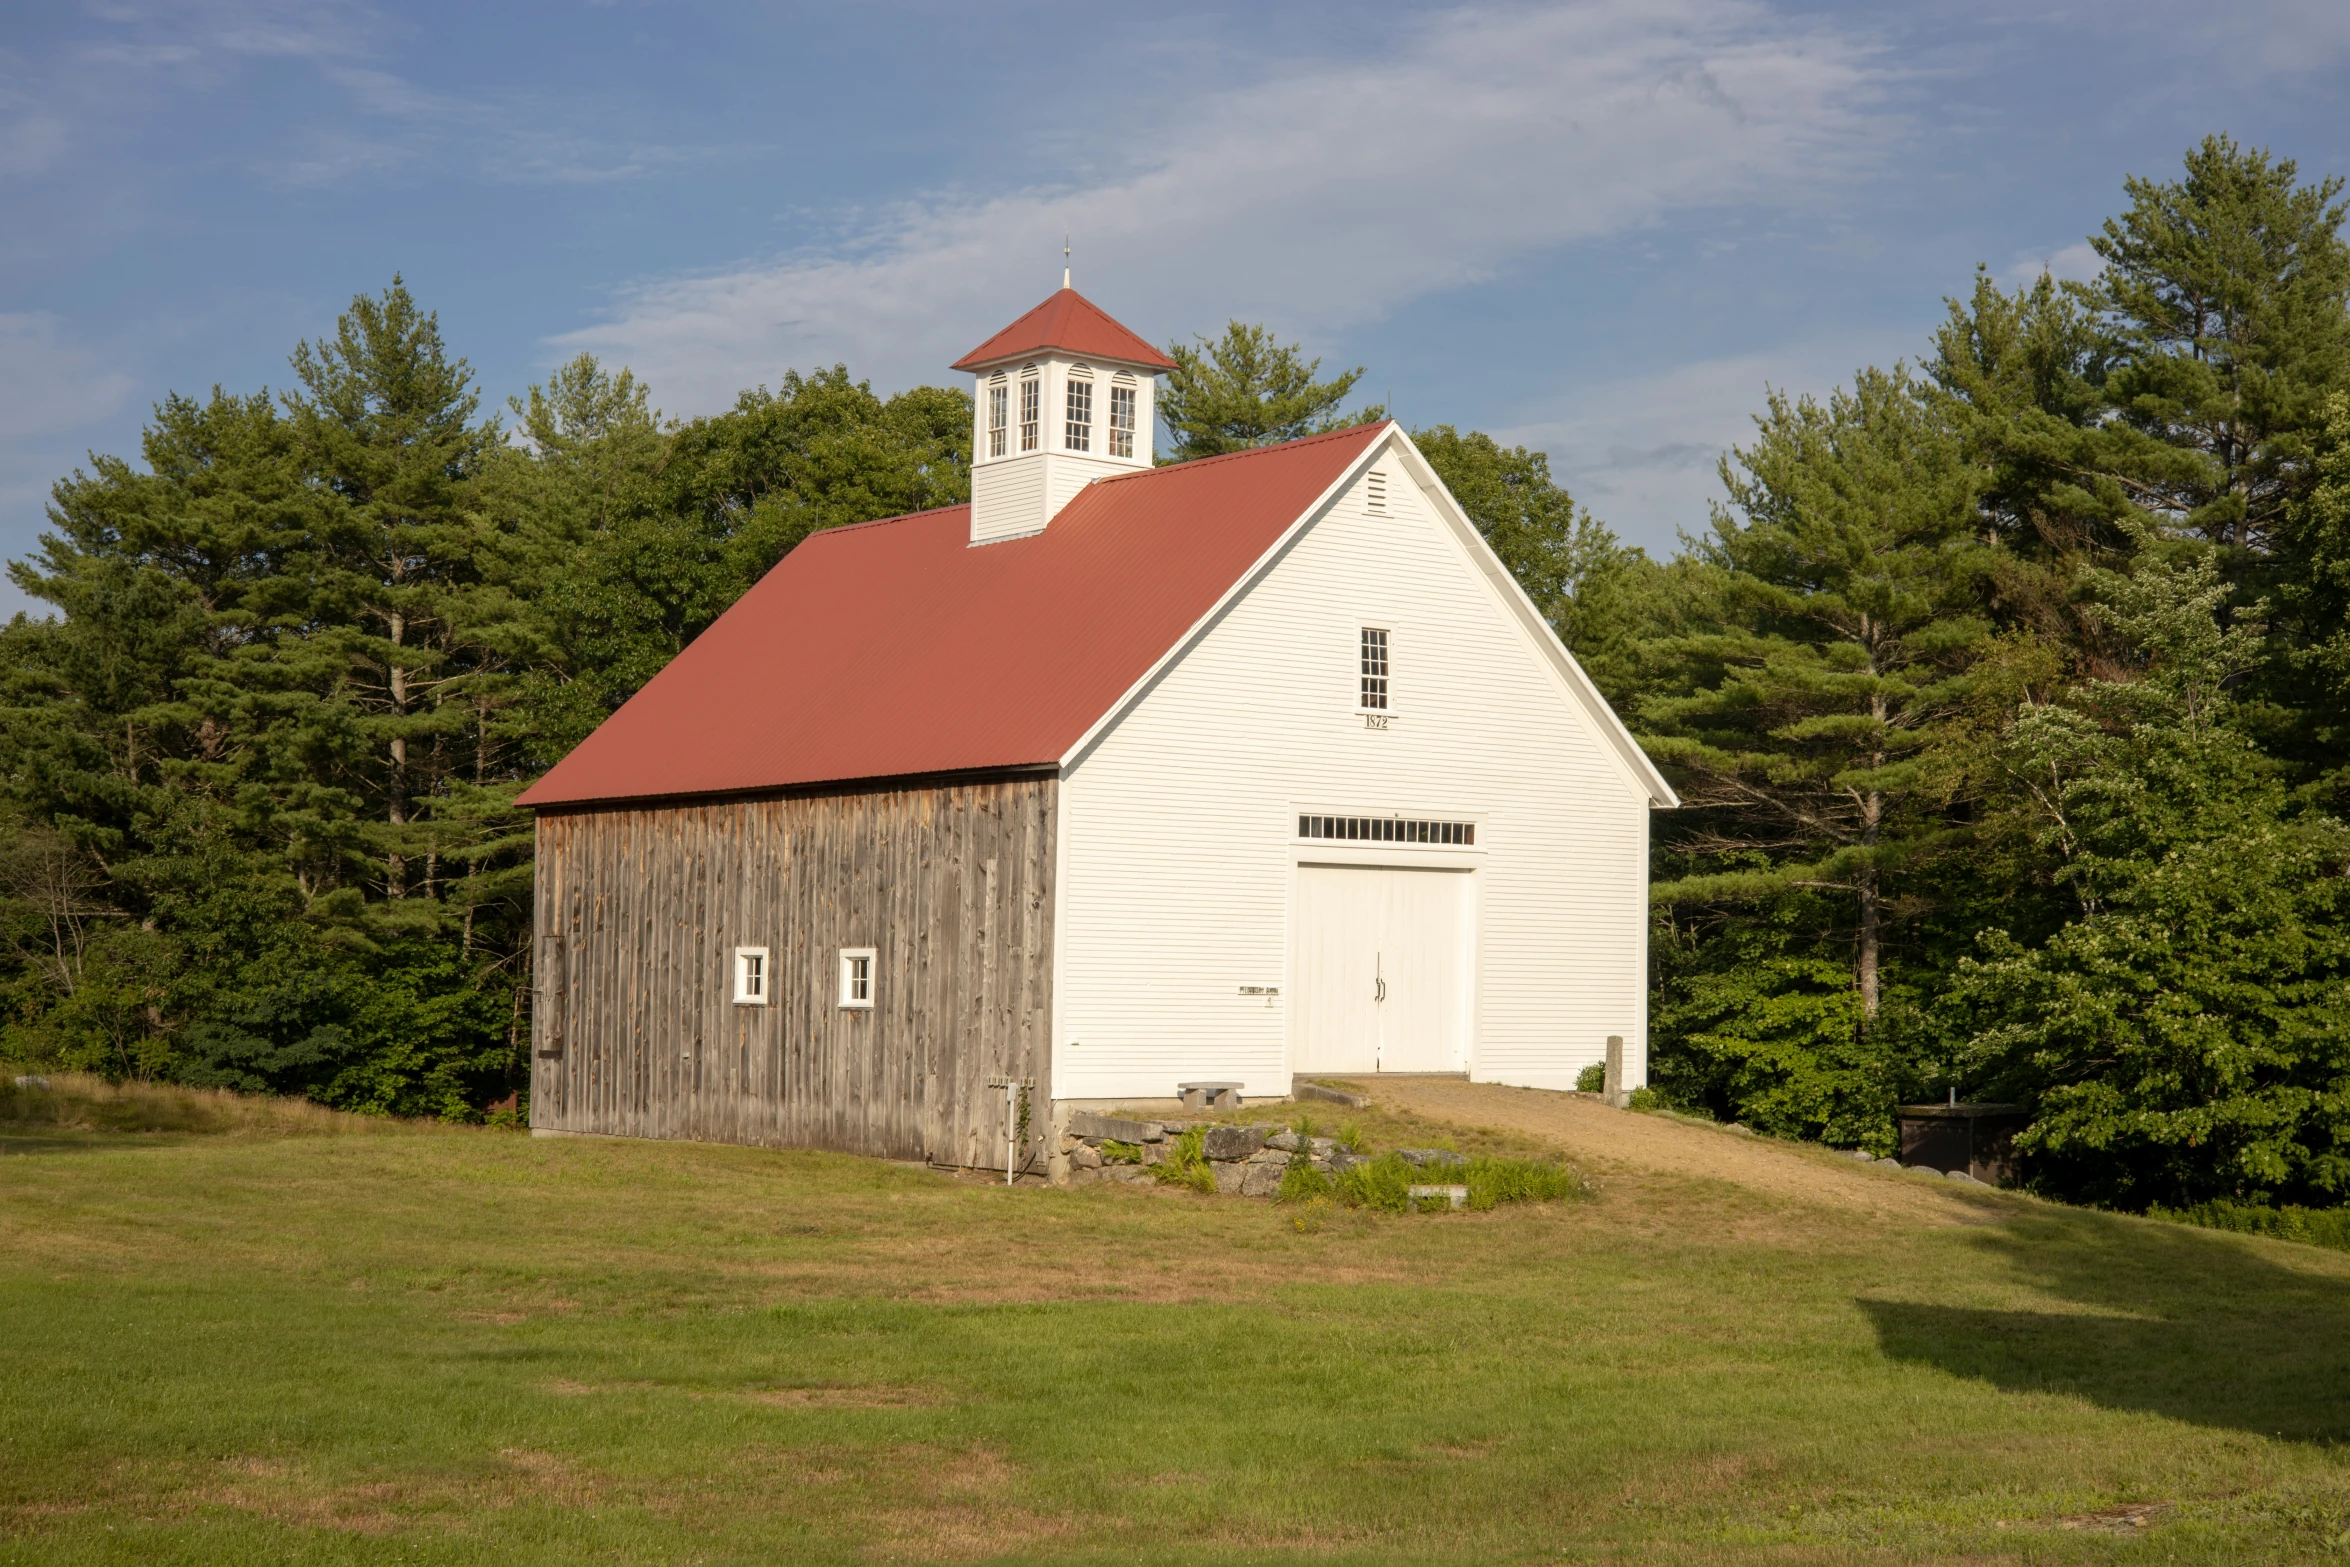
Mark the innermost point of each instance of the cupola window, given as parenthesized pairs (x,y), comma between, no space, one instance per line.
(1077,428)
(1121,419)
(1031,397)
(999,414)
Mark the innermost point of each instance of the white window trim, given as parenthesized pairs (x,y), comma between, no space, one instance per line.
(1121,441)
(848,957)
(1076,433)
(999,416)
(750,991)
(1386,676)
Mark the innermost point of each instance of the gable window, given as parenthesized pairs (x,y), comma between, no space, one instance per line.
(856,977)
(1121,421)
(1077,429)
(999,414)
(1375,491)
(750,976)
(1374,667)
(1031,396)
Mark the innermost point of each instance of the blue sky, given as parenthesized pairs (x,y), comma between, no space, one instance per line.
(1602,229)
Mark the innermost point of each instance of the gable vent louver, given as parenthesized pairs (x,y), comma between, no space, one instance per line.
(1375,491)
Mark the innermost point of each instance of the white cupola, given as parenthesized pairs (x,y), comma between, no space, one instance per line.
(1062,397)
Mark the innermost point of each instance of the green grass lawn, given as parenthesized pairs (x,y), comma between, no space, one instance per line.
(301,1338)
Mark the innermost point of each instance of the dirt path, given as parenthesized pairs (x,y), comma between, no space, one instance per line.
(1626,1140)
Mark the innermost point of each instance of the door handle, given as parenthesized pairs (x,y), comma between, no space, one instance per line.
(1379,991)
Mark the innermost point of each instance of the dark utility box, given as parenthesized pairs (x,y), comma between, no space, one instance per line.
(1976,1138)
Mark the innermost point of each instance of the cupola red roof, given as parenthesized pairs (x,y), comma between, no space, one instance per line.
(1072,323)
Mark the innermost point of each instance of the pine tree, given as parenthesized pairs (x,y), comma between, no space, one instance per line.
(1247,388)
(1843,592)
(386,422)
(2226,300)
(2315,588)
(2020,380)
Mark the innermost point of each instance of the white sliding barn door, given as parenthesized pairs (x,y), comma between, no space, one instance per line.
(1423,964)
(1382,970)
(1337,1006)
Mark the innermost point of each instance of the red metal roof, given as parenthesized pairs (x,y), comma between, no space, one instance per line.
(897,647)
(1073,323)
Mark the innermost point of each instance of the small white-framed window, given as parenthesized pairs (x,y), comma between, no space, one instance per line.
(1375,667)
(1121,421)
(999,414)
(1077,427)
(1031,403)
(856,976)
(752,977)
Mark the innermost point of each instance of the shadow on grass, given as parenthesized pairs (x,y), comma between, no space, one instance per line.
(2198,1326)
(16,1142)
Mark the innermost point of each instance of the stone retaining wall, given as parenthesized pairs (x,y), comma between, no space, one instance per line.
(1247,1161)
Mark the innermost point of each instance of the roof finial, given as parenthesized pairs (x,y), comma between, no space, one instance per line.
(1064,261)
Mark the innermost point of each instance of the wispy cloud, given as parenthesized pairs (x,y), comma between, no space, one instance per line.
(137,57)
(2075,263)
(506,137)
(1317,197)
(51,387)
(2250,41)
(373,122)
(32,138)
(49,382)
(1641,451)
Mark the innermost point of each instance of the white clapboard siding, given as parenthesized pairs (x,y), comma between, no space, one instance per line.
(1019,493)
(1179,851)
(1008,499)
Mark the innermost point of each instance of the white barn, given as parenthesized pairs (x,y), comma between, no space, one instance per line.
(1119,778)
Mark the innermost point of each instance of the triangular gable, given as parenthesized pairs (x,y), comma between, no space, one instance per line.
(1639,771)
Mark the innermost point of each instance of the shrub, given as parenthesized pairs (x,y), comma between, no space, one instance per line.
(1647,1099)
(2311,1226)
(1186,1164)
(1592,1079)
(77,1101)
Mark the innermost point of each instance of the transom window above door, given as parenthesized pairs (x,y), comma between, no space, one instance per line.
(1386,829)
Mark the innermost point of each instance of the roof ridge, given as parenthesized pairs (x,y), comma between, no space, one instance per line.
(1252,451)
(877,522)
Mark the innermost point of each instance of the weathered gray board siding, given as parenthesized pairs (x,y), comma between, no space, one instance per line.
(636,1032)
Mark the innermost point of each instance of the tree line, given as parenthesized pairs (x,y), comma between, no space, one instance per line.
(2005,691)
